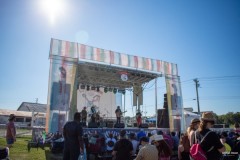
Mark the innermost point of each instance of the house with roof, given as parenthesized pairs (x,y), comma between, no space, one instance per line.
(27,114)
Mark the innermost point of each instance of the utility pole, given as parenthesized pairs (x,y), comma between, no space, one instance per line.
(197,85)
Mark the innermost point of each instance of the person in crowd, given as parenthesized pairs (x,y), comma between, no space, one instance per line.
(118,113)
(86,143)
(237,128)
(211,143)
(44,136)
(140,134)
(147,151)
(132,138)
(167,138)
(73,141)
(192,128)
(4,153)
(11,131)
(93,114)
(226,145)
(175,141)
(123,148)
(184,148)
(110,142)
(227,139)
(164,151)
(84,115)
(149,135)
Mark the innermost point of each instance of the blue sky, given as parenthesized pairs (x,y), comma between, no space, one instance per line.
(202,37)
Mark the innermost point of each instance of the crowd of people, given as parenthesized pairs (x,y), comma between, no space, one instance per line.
(144,145)
(159,145)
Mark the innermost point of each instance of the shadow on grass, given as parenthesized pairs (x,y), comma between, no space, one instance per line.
(50,156)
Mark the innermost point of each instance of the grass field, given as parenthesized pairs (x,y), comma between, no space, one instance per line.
(19,151)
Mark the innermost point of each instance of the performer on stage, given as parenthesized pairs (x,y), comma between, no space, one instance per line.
(93,114)
(139,118)
(97,118)
(118,113)
(84,115)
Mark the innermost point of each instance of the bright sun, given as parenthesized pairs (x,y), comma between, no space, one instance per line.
(53,9)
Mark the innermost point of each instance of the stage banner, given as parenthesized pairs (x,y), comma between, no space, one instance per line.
(103,103)
(93,54)
(60,93)
(175,105)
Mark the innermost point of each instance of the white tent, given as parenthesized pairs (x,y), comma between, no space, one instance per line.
(189,116)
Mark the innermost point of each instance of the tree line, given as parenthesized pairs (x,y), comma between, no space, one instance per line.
(230,118)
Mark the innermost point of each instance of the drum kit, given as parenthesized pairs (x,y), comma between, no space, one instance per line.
(94,114)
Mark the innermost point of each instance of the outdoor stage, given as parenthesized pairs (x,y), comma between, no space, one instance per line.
(85,76)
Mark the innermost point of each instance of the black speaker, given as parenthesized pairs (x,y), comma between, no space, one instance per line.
(143,125)
(92,125)
(163,118)
(119,125)
(110,124)
(102,124)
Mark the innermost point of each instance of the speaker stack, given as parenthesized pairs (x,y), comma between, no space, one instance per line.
(110,124)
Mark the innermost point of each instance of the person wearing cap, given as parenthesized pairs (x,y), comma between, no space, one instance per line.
(192,128)
(211,143)
(140,134)
(11,131)
(123,148)
(164,151)
(147,151)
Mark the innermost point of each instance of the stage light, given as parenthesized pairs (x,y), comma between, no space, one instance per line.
(98,89)
(121,91)
(88,87)
(114,90)
(82,86)
(105,89)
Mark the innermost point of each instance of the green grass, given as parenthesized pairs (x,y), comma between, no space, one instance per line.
(19,151)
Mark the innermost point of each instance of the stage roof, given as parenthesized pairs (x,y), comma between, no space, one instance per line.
(110,76)
(104,68)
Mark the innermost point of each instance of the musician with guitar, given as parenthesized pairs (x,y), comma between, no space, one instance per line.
(139,118)
(118,113)
(93,114)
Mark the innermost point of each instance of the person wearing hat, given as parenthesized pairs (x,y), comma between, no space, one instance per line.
(211,143)
(147,151)
(164,151)
(11,131)
(192,128)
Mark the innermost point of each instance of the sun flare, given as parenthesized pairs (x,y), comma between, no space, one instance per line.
(53,9)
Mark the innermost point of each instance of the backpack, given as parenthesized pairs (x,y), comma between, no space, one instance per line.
(196,150)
